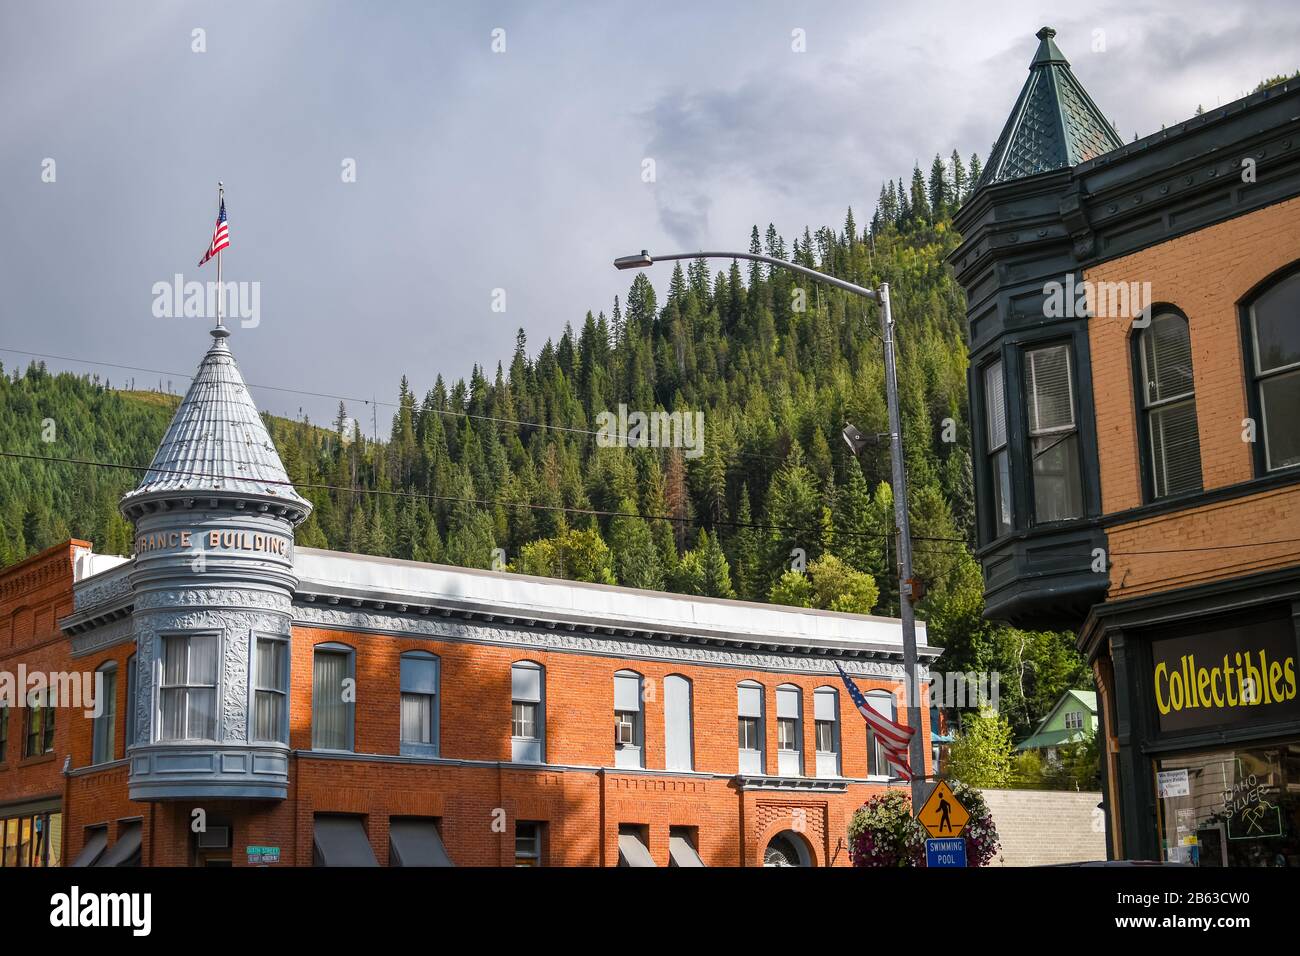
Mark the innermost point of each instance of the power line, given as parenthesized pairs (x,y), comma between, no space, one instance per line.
(372,402)
(486,503)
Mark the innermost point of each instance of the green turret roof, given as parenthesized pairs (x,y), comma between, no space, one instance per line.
(1055,123)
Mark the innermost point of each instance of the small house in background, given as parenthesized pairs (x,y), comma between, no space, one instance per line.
(1071,721)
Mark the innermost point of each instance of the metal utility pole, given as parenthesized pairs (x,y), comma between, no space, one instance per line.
(907,617)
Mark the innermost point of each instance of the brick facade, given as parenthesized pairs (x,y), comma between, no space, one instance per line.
(473,789)
(1206,275)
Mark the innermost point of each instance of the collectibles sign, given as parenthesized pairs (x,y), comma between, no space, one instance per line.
(1230,676)
(255,542)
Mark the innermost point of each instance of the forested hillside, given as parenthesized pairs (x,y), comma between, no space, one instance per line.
(509,459)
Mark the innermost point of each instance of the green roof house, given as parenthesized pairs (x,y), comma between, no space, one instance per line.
(1073,719)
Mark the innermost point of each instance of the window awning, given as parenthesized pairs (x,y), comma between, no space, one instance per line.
(416,843)
(126,851)
(96,843)
(632,851)
(682,853)
(342,841)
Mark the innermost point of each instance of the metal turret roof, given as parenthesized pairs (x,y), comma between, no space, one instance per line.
(1055,123)
(217,441)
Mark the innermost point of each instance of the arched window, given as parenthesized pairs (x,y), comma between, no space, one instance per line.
(333,697)
(104,742)
(789,731)
(826,713)
(749,710)
(1273,372)
(1167,398)
(678,724)
(629,720)
(527,712)
(419,718)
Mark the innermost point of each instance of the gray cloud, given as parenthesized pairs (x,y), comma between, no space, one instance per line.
(479,171)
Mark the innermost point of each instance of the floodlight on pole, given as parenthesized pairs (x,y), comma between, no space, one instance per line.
(908,589)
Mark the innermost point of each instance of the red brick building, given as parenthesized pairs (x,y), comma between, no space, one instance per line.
(295,706)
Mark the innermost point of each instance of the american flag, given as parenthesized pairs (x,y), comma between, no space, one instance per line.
(220,235)
(893,737)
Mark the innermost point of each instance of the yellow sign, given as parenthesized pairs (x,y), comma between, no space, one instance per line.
(942,814)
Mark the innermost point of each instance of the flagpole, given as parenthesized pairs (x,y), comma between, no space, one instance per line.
(221,198)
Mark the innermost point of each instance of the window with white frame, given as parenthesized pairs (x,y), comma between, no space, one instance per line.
(1053,434)
(271,691)
(419,717)
(678,731)
(187,696)
(826,714)
(1169,406)
(527,718)
(882,702)
(789,730)
(749,705)
(333,697)
(1074,720)
(1274,332)
(629,725)
(995,411)
(104,737)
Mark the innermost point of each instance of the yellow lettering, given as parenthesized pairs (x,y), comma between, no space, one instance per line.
(1161,704)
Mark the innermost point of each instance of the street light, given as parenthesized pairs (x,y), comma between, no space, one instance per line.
(899,474)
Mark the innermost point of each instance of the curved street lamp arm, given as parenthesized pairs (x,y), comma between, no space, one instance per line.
(645,259)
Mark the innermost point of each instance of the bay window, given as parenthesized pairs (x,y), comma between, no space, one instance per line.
(187,696)
(995,409)
(271,694)
(1053,434)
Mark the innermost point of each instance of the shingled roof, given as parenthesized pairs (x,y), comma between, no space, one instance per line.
(1055,123)
(217,441)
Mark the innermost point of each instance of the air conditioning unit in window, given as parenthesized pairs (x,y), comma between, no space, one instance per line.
(623,734)
(215,838)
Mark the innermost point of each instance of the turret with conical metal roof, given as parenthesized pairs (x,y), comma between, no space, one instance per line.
(217,442)
(213,581)
(1055,123)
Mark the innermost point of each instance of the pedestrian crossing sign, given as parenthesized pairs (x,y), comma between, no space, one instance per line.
(943,815)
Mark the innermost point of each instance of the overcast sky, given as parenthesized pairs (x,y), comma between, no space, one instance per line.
(478,170)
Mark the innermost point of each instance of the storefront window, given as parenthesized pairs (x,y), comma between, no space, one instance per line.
(1231,807)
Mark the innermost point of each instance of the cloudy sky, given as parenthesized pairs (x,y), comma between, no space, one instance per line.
(477,170)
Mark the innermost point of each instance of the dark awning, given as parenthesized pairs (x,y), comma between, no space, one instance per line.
(96,843)
(682,853)
(126,851)
(416,843)
(342,841)
(632,851)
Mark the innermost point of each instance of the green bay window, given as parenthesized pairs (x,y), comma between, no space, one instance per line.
(995,410)
(1053,434)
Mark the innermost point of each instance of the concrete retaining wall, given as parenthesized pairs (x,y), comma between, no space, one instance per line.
(1039,827)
